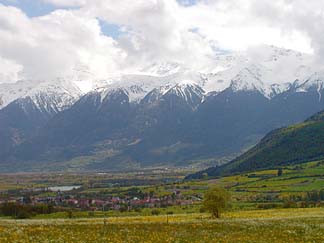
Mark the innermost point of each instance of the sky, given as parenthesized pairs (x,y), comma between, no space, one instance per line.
(45,39)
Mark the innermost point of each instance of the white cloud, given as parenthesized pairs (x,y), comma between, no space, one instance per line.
(152,31)
(236,25)
(52,45)
(9,71)
(65,3)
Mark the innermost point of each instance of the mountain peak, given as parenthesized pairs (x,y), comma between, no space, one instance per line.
(249,79)
(52,96)
(188,91)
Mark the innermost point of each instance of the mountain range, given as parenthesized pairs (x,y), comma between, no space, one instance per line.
(167,115)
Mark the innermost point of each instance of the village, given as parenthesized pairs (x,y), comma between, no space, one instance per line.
(75,200)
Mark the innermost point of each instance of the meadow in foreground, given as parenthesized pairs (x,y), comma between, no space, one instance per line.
(284,225)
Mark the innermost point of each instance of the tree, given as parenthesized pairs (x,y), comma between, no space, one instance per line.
(23,214)
(216,200)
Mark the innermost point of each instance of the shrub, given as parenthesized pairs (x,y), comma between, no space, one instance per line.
(123,209)
(267,205)
(289,204)
(202,210)
(155,212)
(23,214)
(69,214)
(138,210)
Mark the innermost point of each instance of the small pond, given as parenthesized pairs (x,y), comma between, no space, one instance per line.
(63,188)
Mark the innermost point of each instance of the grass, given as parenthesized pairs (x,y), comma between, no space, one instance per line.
(289,225)
(189,209)
(308,177)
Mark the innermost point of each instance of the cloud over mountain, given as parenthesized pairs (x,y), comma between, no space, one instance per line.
(191,33)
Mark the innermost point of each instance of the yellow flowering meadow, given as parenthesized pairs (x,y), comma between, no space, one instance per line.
(275,226)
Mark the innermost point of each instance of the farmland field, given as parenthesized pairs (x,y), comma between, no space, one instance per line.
(279,225)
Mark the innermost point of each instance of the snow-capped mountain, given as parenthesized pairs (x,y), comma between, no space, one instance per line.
(52,96)
(13,91)
(251,79)
(148,89)
(269,70)
(164,112)
(191,93)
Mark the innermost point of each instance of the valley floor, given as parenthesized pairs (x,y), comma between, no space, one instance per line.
(275,226)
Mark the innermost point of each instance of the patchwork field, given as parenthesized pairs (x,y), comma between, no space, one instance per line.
(279,225)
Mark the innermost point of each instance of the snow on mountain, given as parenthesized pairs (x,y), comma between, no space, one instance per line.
(55,96)
(162,69)
(314,82)
(156,94)
(270,67)
(52,96)
(267,69)
(12,91)
(252,78)
(138,86)
(249,79)
(135,86)
(188,91)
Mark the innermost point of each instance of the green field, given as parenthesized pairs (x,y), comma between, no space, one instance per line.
(284,225)
(257,186)
(243,221)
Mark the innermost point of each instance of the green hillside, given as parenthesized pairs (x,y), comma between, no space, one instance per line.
(286,146)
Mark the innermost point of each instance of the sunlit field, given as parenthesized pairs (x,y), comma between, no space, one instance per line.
(280,225)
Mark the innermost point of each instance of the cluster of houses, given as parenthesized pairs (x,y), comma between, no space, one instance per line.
(109,203)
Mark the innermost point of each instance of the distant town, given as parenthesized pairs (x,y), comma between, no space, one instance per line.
(71,199)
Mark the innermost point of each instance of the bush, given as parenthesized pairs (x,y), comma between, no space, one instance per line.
(202,210)
(12,209)
(267,206)
(23,214)
(303,204)
(155,212)
(69,214)
(137,210)
(289,204)
(123,209)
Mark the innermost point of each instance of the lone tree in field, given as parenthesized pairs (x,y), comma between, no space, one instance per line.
(216,200)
